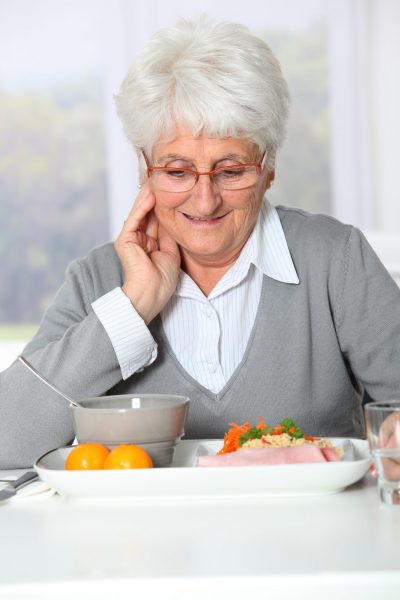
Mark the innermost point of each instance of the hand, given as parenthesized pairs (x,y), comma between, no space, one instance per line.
(150,258)
(389,439)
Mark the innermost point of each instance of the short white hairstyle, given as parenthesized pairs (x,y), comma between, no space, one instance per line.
(219,79)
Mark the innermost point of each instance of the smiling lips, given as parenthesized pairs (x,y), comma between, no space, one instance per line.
(203,220)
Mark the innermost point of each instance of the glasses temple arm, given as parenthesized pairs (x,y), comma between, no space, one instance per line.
(264,160)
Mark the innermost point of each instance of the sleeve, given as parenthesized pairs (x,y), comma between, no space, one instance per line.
(132,341)
(368,319)
(73,351)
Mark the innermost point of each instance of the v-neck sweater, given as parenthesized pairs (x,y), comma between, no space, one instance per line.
(225,316)
(313,349)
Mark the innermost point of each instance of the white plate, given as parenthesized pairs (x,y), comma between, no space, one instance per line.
(183,480)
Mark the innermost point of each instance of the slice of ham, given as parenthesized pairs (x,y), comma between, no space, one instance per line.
(270,456)
(330,454)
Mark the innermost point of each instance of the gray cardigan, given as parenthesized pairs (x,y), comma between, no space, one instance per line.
(314,348)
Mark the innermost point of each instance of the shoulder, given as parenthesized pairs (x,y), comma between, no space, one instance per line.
(315,235)
(315,228)
(103,256)
(100,270)
(320,245)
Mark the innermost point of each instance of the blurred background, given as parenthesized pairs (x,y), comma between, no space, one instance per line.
(68,176)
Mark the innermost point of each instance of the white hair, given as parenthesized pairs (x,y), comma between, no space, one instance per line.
(219,79)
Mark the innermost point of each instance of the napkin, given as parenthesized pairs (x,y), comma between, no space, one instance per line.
(36,490)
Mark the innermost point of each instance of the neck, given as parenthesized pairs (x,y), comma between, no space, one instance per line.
(206,274)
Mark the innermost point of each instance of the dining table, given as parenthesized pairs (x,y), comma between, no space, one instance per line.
(339,545)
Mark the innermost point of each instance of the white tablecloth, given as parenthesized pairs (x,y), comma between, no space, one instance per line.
(340,546)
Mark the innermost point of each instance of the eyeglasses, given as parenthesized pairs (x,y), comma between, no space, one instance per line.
(232,177)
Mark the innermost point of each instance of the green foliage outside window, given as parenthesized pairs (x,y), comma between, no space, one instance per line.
(53,184)
(53,190)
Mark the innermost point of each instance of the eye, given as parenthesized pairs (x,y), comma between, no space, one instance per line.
(176,173)
(231,172)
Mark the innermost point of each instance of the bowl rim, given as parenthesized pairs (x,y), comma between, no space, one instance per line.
(180,401)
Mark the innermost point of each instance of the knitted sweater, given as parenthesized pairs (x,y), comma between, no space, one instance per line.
(313,350)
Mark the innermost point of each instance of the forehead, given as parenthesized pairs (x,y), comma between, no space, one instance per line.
(202,146)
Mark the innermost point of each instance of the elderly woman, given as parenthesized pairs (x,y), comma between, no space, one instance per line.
(209,291)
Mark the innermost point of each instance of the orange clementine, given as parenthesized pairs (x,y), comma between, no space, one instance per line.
(128,456)
(87,456)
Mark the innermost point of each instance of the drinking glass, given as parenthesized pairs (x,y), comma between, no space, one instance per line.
(383,430)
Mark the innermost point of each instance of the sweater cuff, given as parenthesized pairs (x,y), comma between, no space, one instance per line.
(131,339)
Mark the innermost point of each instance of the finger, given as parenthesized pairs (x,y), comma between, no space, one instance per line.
(152,225)
(391,441)
(145,242)
(390,469)
(144,202)
(389,434)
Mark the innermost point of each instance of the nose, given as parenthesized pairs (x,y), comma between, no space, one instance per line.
(205,196)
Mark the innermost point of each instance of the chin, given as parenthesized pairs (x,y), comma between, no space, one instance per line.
(204,251)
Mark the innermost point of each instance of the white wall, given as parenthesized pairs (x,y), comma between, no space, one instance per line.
(384,24)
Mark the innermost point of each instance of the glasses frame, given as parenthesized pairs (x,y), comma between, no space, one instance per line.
(259,166)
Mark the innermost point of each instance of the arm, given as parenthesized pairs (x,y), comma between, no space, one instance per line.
(73,348)
(367,317)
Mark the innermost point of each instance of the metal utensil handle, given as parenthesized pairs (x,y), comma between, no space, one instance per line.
(24,480)
(44,380)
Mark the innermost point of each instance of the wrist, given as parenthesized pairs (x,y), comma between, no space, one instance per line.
(141,302)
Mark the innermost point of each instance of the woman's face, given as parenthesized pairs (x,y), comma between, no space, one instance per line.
(210,225)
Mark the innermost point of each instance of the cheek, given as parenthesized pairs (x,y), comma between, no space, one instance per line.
(247,205)
(167,202)
(165,211)
(162,208)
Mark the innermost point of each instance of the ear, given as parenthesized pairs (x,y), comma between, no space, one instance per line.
(269,180)
(142,167)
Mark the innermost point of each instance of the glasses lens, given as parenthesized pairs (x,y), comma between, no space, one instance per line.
(173,180)
(230,178)
(236,177)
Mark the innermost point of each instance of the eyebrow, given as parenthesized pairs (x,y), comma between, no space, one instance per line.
(230,156)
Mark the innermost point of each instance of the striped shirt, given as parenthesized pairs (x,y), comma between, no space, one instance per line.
(207,334)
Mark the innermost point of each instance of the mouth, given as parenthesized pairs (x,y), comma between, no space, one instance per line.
(203,220)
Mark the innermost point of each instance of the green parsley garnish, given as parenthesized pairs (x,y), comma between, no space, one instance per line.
(286,426)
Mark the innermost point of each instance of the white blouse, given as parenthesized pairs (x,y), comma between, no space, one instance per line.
(208,335)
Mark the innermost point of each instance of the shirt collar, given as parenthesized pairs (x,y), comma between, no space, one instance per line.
(270,252)
(266,248)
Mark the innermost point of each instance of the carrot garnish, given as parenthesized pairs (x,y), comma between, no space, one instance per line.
(277,430)
(261,424)
(238,435)
(310,438)
(232,436)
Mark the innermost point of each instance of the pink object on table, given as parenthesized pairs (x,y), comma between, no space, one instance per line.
(270,456)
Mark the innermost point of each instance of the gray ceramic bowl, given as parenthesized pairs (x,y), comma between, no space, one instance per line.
(153,421)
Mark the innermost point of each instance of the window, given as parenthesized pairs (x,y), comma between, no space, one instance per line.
(53,176)
(68,175)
